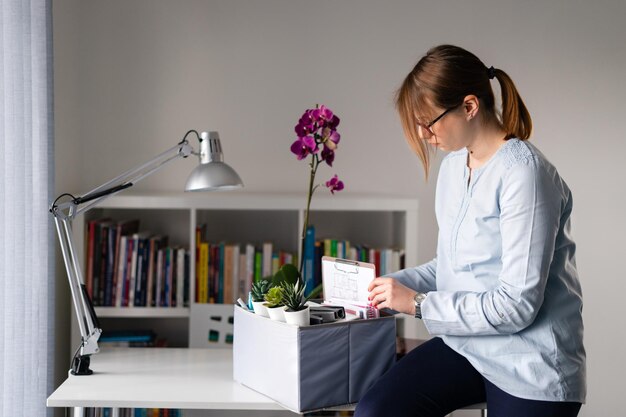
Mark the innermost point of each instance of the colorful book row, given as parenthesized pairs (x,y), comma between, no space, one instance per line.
(225,272)
(128,268)
(133,412)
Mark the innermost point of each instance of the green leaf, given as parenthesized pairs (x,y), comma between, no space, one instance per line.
(315,292)
(287,273)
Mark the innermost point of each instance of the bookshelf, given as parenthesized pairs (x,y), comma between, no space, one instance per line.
(378,221)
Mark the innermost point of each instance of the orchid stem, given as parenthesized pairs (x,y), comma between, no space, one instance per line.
(314,164)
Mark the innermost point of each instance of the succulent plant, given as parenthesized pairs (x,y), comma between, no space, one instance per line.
(274,297)
(293,296)
(260,288)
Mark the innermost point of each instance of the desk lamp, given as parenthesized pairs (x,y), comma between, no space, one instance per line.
(211,174)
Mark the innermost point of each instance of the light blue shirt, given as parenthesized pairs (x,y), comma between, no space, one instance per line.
(503,290)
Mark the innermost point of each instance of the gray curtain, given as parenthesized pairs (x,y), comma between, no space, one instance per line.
(26,228)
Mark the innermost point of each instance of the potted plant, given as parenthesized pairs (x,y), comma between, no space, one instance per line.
(297,312)
(259,289)
(274,303)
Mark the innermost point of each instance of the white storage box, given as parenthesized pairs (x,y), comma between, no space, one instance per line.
(315,367)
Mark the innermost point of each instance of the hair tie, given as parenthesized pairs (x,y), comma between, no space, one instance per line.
(491,73)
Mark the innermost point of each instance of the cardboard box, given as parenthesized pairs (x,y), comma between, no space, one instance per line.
(315,367)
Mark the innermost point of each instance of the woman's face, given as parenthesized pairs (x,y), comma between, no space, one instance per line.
(447,131)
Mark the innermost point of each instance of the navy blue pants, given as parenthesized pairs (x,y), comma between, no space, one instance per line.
(433,380)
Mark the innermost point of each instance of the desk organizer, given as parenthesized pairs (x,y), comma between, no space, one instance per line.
(311,368)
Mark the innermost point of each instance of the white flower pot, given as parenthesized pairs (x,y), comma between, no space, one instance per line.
(260,309)
(299,318)
(276,313)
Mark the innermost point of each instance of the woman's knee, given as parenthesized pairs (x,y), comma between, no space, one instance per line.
(371,406)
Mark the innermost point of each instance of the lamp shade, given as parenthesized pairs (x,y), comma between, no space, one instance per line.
(212,173)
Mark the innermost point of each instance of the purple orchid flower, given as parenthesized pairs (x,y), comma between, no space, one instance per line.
(334,184)
(328,156)
(304,146)
(306,124)
(322,114)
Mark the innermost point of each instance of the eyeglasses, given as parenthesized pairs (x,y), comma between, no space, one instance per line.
(427,127)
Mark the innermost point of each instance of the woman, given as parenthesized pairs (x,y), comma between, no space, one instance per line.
(502,296)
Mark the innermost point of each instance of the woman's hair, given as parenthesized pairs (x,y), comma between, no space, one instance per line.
(443,78)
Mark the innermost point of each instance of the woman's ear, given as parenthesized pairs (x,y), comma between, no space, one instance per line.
(471,106)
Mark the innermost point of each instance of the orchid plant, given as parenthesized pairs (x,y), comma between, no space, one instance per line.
(317,140)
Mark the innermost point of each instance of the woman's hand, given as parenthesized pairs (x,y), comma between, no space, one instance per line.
(389,293)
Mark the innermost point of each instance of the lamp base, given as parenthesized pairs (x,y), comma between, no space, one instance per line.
(80,366)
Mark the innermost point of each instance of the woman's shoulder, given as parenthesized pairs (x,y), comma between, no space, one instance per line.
(519,152)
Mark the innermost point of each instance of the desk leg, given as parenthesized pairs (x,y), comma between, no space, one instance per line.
(79,412)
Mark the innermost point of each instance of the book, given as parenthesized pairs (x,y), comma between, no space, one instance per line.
(158,290)
(308,272)
(258,265)
(101,261)
(186,283)
(267,259)
(220,274)
(124,228)
(130,243)
(250,255)
(235,276)
(180,276)
(228,279)
(121,268)
(203,282)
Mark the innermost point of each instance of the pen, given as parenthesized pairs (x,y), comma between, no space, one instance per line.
(242,304)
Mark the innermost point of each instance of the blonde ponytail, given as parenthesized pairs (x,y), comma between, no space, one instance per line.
(516,120)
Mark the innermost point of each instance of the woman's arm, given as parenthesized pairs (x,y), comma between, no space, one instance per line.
(396,291)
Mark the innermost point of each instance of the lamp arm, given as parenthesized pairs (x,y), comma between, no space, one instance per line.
(70,209)
(65,212)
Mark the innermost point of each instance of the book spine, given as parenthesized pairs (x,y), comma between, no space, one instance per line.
(187,279)
(309,259)
(220,274)
(258,265)
(104,247)
(132,273)
(228,274)
(267,259)
(204,273)
(249,267)
(110,265)
(159,278)
(167,277)
(180,277)
(235,276)
(130,249)
(139,273)
(121,264)
(149,301)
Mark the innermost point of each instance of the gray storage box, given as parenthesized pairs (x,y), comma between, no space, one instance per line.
(315,367)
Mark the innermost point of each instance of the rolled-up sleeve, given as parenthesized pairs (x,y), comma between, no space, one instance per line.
(530,207)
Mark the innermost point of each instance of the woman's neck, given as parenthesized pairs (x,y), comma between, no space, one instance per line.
(486,143)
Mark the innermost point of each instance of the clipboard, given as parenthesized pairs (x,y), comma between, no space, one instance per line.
(345,283)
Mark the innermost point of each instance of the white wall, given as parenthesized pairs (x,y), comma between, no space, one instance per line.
(132,76)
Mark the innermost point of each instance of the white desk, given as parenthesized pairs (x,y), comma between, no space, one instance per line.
(161,378)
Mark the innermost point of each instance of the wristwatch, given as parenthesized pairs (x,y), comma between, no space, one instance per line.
(418,299)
